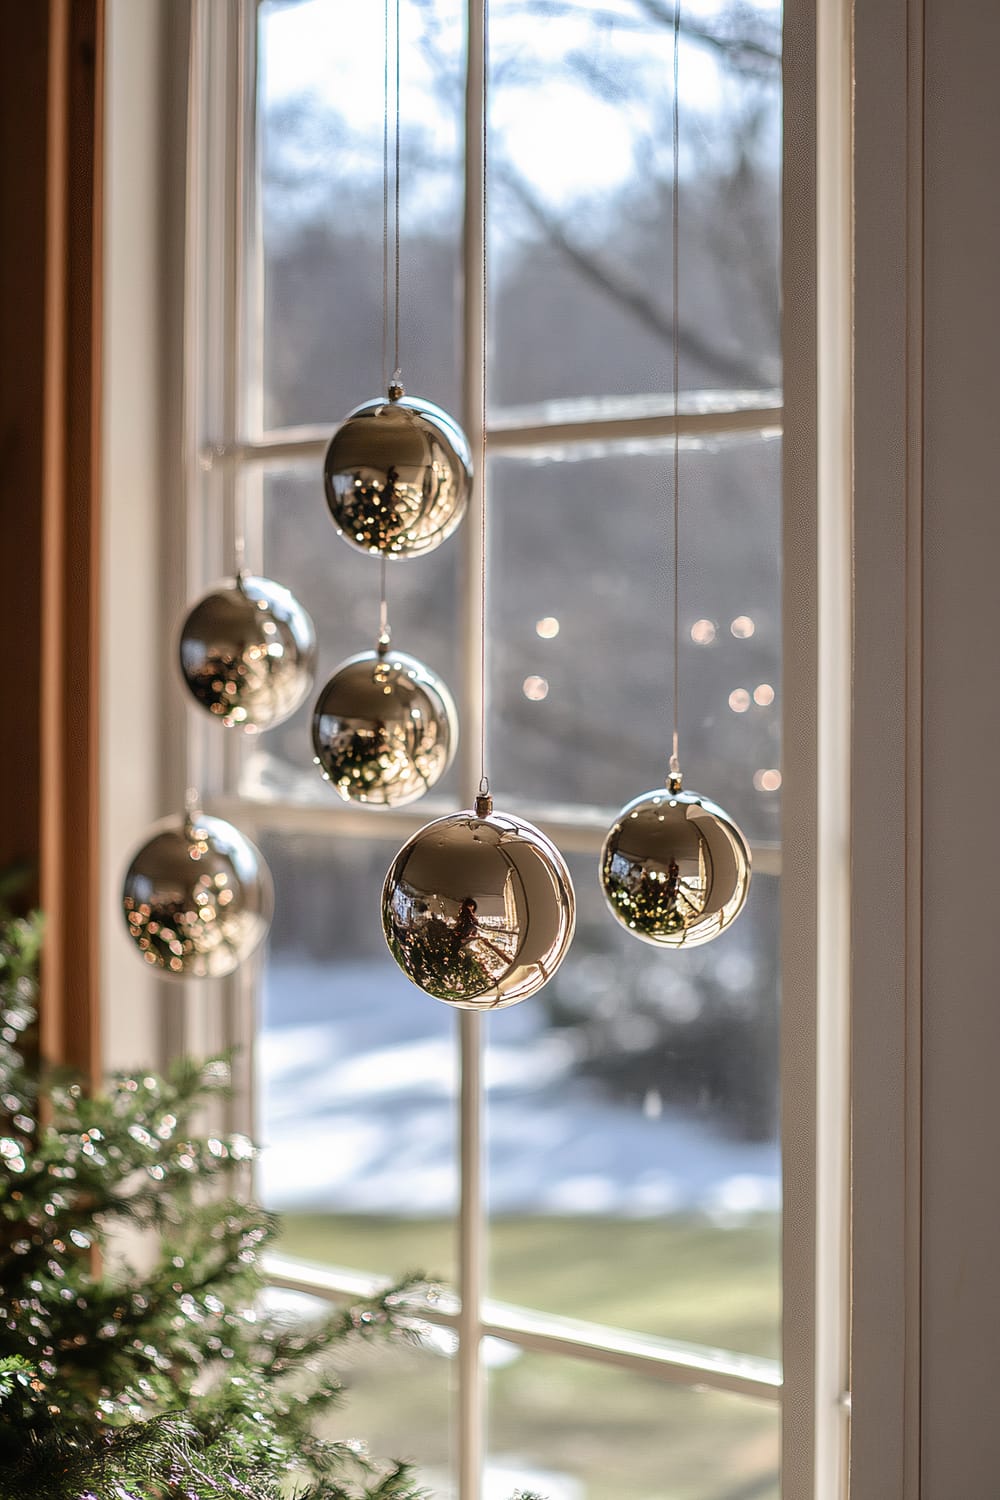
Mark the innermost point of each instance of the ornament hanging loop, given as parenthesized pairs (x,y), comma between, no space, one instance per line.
(484,801)
(674,771)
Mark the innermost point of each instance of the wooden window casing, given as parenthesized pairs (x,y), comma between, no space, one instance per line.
(51,86)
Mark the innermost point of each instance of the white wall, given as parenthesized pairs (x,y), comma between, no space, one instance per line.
(961,812)
(926,1017)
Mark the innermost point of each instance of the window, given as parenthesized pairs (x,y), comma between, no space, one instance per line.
(596,1173)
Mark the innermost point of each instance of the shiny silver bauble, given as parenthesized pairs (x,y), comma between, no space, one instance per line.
(478,909)
(197,897)
(384,729)
(675,869)
(397,475)
(248,653)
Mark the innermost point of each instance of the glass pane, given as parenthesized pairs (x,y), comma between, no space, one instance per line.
(340,589)
(572,1430)
(634,1174)
(581,171)
(581,628)
(320,114)
(355,1070)
(398,1402)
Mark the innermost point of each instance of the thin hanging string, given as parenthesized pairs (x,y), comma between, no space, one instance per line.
(675,765)
(385,204)
(240,531)
(192,806)
(484,781)
(384,634)
(395,300)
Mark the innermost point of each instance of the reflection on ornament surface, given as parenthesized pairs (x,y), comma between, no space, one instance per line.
(197,897)
(384,729)
(675,869)
(248,652)
(397,475)
(478,909)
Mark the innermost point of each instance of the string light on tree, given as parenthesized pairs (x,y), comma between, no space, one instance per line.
(478,908)
(675,869)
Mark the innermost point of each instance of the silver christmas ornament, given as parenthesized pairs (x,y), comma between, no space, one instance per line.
(197,897)
(675,869)
(384,729)
(248,653)
(397,475)
(478,909)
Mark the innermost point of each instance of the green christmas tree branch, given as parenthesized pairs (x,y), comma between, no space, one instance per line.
(172,1385)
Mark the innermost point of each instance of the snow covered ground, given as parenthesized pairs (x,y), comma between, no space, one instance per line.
(357,1113)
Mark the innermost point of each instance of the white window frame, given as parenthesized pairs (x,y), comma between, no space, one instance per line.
(816,745)
(219,211)
(222,129)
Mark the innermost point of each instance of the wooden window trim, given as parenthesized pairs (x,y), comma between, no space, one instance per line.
(51,141)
